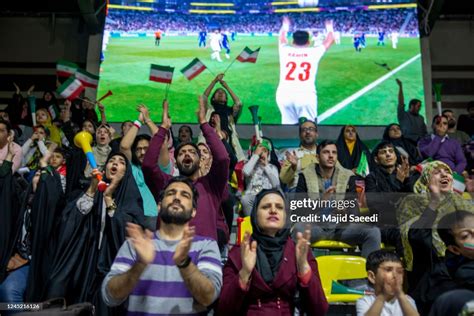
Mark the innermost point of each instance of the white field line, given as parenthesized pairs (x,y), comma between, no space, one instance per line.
(364,90)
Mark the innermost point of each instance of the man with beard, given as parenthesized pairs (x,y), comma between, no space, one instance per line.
(466,121)
(412,123)
(297,160)
(172,271)
(328,180)
(211,187)
(439,146)
(454,133)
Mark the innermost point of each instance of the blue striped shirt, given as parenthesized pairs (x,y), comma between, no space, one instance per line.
(161,289)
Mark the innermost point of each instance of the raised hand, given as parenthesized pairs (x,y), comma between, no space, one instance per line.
(17,89)
(45,159)
(302,248)
(182,249)
(201,112)
(165,119)
(329,192)
(403,170)
(291,157)
(145,113)
(142,242)
(30,89)
(219,77)
(100,106)
(399,82)
(248,255)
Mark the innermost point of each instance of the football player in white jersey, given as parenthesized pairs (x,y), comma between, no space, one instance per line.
(296,92)
(215,41)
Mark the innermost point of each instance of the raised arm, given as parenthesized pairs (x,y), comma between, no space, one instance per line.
(237,107)
(211,86)
(219,172)
(155,178)
(103,118)
(285,27)
(147,119)
(128,139)
(401,98)
(329,40)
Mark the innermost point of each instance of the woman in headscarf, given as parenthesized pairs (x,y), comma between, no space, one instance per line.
(350,148)
(48,102)
(29,251)
(228,114)
(418,216)
(264,273)
(91,230)
(101,150)
(393,134)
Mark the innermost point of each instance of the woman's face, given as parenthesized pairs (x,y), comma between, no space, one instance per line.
(394,132)
(442,178)
(88,127)
(47,96)
(205,154)
(115,167)
(102,136)
(220,96)
(41,117)
(41,133)
(350,133)
(271,215)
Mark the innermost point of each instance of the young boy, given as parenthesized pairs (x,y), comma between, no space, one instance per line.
(385,272)
(457,232)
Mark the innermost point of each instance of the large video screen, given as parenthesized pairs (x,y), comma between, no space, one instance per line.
(297,71)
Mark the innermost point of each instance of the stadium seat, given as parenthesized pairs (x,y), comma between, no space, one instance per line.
(338,268)
(331,244)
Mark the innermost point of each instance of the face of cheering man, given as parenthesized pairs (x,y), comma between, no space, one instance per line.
(102,136)
(176,206)
(440,126)
(188,160)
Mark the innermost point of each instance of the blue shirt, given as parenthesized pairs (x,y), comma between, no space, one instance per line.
(149,203)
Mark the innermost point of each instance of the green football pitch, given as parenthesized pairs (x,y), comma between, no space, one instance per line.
(349,82)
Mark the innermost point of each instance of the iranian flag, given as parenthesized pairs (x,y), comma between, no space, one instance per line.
(87,79)
(71,88)
(248,55)
(192,70)
(459,184)
(163,74)
(66,68)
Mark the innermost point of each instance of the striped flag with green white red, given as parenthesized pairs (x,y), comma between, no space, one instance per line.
(459,184)
(87,79)
(65,68)
(248,56)
(194,68)
(71,88)
(163,74)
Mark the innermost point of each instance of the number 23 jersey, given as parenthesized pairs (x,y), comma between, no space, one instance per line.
(299,66)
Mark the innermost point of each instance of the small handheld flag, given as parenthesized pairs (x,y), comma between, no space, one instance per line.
(163,74)
(65,68)
(71,88)
(193,69)
(87,79)
(248,56)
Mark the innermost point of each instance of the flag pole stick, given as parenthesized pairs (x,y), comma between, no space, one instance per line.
(230,65)
(167,90)
(86,101)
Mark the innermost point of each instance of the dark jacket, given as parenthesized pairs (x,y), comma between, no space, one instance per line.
(275,299)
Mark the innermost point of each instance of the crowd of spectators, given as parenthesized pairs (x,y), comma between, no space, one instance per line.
(63,232)
(346,22)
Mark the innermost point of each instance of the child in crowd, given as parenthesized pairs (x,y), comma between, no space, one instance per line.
(385,272)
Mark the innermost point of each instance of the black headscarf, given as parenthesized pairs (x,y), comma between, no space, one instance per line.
(406,144)
(10,215)
(269,249)
(347,160)
(81,262)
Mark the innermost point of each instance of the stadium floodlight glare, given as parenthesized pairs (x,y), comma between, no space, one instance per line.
(284,3)
(391,6)
(212,11)
(128,7)
(206,4)
(297,10)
